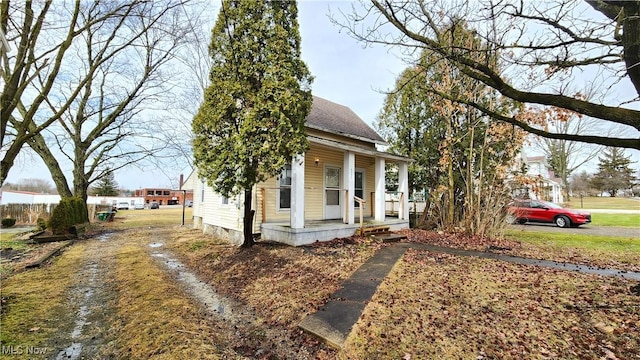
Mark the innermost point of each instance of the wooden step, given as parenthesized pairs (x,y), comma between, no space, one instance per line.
(372,230)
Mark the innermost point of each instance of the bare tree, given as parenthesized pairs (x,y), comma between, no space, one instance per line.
(189,91)
(546,49)
(565,156)
(112,63)
(34,185)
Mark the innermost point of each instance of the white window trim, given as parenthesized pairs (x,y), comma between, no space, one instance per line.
(278,186)
(222,204)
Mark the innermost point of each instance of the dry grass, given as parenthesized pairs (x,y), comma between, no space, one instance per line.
(441,306)
(33,302)
(164,216)
(283,283)
(154,316)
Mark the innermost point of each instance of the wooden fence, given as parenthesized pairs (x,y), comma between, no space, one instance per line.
(26,214)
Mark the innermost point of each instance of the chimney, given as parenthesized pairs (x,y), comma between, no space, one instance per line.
(181,181)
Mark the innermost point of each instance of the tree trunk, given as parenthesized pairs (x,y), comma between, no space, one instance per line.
(38,145)
(248,219)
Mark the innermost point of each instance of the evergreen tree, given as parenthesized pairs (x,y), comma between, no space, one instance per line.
(614,172)
(252,120)
(106,186)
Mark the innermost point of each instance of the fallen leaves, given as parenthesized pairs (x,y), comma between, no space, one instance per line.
(443,306)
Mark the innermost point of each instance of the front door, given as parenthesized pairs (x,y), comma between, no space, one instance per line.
(332,208)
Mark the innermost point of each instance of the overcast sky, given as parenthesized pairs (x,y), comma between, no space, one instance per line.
(345,72)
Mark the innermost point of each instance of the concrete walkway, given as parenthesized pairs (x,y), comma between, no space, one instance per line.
(333,322)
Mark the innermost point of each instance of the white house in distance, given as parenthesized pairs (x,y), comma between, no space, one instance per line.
(321,194)
(545,185)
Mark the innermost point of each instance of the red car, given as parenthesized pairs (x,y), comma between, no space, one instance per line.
(523,211)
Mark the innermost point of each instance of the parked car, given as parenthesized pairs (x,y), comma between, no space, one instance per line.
(523,211)
(154,205)
(138,206)
(123,206)
(189,203)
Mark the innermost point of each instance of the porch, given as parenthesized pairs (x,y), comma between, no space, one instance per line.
(322,230)
(327,192)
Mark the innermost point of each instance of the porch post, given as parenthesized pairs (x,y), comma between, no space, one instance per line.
(297,192)
(403,188)
(348,179)
(379,206)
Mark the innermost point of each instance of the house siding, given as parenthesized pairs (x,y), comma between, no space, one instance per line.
(314,186)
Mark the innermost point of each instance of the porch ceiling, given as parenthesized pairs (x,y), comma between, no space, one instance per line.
(357,149)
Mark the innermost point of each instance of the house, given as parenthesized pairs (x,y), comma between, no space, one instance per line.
(543,184)
(322,194)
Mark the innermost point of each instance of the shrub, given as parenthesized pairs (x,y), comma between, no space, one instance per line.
(69,212)
(8,222)
(41,224)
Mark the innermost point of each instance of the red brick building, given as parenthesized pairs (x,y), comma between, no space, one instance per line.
(163,196)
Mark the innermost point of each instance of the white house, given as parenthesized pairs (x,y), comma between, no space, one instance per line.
(544,185)
(322,194)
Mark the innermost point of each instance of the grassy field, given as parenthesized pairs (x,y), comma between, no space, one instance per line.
(620,220)
(565,247)
(164,216)
(616,203)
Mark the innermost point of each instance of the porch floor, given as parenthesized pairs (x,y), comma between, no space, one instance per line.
(321,230)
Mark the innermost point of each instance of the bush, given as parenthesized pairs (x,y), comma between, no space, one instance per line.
(8,222)
(69,212)
(41,224)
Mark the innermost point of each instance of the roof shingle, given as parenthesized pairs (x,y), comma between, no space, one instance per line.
(339,119)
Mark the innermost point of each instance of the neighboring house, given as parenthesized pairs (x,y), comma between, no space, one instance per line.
(314,198)
(542,184)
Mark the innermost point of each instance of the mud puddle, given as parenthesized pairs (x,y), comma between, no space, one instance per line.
(89,297)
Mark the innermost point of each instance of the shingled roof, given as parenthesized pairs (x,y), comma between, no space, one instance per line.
(339,119)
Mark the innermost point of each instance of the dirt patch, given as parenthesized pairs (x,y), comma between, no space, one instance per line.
(255,338)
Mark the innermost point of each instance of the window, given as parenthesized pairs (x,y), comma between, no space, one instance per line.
(284,185)
(225,200)
(166,192)
(149,192)
(359,187)
(158,192)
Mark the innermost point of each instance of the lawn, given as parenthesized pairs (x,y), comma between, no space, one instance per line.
(604,203)
(431,305)
(616,220)
(164,216)
(605,251)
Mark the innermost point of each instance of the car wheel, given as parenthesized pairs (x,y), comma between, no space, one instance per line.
(562,221)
